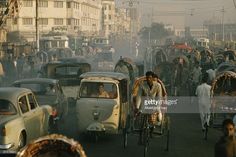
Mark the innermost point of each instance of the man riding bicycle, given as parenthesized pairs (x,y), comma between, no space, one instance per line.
(152,90)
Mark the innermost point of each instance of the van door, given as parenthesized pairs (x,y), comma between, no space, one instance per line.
(124,99)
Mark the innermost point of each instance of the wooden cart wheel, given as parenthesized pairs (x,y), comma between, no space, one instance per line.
(52,145)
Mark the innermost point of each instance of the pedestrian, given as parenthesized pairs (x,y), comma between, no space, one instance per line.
(211,74)
(203,93)
(226,145)
(196,76)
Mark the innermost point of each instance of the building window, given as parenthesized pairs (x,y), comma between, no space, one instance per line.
(27,21)
(43,4)
(76,22)
(109,7)
(76,5)
(109,17)
(58,21)
(68,21)
(28,3)
(43,21)
(105,7)
(58,4)
(14,21)
(68,4)
(109,27)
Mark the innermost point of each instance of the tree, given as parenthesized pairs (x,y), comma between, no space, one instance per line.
(156,31)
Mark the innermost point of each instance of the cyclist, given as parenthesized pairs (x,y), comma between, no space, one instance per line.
(153,90)
(203,93)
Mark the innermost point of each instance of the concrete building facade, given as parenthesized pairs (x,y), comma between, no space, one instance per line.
(69,17)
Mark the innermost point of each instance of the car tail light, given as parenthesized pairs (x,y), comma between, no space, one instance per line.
(3,131)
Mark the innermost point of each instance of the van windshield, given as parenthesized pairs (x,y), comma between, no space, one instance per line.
(98,90)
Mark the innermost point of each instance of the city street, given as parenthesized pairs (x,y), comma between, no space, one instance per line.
(186,139)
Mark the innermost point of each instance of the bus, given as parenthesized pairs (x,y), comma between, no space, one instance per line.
(202,42)
(48,42)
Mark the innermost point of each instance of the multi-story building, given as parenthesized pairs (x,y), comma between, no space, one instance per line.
(91,16)
(69,17)
(108,17)
(191,32)
(122,26)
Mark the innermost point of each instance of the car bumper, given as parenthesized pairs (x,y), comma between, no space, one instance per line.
(6,146)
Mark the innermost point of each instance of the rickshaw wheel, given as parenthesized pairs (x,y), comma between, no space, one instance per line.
(167,132)
(125,131)
(125,137)
(146,141)
(93,137)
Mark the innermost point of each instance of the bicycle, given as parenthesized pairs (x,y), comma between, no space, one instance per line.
(145,132)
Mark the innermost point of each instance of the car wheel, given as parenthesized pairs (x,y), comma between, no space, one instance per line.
(22,141)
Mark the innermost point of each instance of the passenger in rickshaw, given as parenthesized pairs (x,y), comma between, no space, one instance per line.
(101,91)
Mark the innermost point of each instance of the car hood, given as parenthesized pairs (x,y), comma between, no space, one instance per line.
(46,100)
(6,118)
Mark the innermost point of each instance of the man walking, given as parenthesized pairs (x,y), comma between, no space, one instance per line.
(203,93)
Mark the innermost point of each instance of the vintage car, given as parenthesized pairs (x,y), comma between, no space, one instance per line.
(103,104)
(103,61)
(21,118)
(47,92)
(67,71)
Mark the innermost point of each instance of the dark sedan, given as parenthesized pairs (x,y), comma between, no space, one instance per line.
(47,91)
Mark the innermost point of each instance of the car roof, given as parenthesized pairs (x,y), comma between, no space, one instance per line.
(37,80)
(113,75)
(12,92)
(73,60)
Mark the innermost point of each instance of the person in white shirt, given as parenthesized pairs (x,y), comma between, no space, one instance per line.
(203,93)
(211,75)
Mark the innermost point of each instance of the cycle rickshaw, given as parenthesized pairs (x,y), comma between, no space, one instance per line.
(145,120)
(223,92)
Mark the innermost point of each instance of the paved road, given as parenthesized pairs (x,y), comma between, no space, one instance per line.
(186,139)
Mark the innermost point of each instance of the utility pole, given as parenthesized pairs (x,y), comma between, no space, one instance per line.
(149,33)
(37,25)
(223,25)
(131,4)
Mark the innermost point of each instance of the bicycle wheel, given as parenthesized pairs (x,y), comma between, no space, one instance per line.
(146,136)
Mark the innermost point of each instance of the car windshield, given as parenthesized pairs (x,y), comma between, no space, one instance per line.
(98,90)
(6,107)
(104,56)
(71,70)
(40,88)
